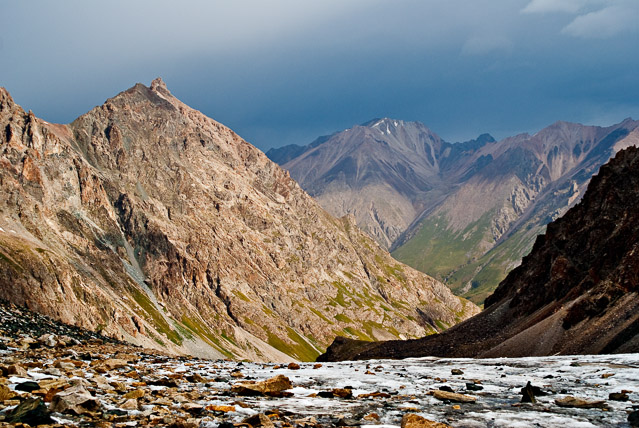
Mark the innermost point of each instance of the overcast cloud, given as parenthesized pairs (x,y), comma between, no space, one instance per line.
(281,72)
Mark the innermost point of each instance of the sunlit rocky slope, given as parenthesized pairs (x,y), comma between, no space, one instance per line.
(150,222)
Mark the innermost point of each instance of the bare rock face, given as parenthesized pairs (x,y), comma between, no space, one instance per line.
(575,293)
(147,221)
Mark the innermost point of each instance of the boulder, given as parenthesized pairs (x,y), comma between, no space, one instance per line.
(411,420)
(31,411)
(275,384)
(580,403)
(454,397)
(259,420)
(75,400)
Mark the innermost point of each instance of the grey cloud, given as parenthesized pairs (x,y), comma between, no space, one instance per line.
(546,6)
(285,71)
(605,23)
(484,44)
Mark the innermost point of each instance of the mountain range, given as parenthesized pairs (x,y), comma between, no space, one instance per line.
(150,222)
(577,292)
(465,213)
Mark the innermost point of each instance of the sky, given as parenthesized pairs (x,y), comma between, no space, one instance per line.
(287,71)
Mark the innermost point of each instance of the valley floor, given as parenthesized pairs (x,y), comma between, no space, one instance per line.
(57,380)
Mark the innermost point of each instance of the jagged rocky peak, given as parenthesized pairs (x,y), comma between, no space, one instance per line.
(577,292)
(150,222)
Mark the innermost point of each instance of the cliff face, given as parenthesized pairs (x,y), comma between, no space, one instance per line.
(575,293)
(150,222)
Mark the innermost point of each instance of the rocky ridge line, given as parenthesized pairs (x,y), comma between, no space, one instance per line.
(152,223)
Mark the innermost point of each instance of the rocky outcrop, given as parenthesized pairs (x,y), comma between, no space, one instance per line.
(150,222)
(465,213)
(575,293)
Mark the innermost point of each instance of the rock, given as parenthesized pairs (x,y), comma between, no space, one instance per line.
(317,366)
(454,397)
(219,408)
(343,392)
(446,388)
(75,400)
(137,393)
(275,384)
(130,404)
(114,363)
(633,418)
(195,378)
(259,420)
(28,386)
(65,365)
(49,340)
(27,342)
(618,396)
(456,372)
(372,417)
(348,422)
(471,386)
(6,393)
(293,366)
(31,411)
(411,420)
(17,370)
(570,401)
(165,381)
(528,394)
(607,375)
(375,395)
(193,408)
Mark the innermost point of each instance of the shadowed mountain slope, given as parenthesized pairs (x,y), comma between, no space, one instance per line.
(575,293)
(465,213)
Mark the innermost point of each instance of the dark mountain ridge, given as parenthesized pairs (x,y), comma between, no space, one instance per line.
(577,292)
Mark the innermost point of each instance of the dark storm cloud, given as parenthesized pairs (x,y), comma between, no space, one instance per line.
(280,72)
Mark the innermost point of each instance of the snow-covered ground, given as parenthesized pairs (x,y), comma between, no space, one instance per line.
(409,381)
(170,388)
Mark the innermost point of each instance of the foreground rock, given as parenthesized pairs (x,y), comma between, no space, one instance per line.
(580,403)
(576,293)
(271,386)
(412,420)
(453,397)
(154,389)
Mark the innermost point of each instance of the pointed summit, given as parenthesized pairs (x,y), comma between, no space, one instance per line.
(158,83)
(190,239)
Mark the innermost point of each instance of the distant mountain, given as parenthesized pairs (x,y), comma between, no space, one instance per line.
(577,292)
(281,155)
(465,213)
(150,222)
(384,172)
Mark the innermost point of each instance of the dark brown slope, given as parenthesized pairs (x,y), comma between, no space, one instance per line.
(576,293)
